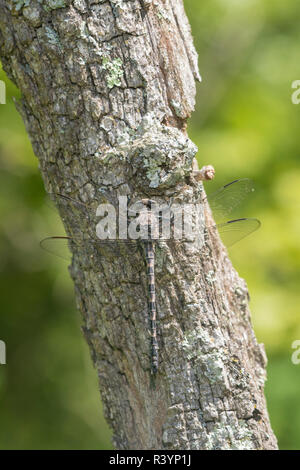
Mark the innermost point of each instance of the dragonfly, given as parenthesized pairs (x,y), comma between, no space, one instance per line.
(222,202)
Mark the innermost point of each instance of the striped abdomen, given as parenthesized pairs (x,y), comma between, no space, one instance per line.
(152,304)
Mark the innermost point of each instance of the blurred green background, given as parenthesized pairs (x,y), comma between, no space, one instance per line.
(246,126)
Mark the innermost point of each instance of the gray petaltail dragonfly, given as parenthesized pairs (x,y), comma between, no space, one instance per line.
(222,202)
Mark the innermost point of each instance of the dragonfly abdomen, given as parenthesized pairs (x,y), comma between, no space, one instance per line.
(152,304)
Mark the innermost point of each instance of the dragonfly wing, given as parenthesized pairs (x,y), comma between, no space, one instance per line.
(227,198)
(67,204)
(60,246)
(222,202)
(235,230)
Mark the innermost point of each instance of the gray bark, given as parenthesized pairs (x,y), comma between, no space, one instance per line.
(107,87)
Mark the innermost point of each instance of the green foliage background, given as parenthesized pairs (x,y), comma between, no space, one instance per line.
(246,126)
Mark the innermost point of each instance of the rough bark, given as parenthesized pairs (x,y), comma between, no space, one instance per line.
(107,87)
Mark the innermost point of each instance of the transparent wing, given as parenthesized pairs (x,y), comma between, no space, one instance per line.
(222,202)
(58,246)
(235,230)
(67,204)
(84,216)
(82,212)
(61,246)
(227,198)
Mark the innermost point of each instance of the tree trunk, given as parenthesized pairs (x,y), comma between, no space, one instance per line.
(107,87)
